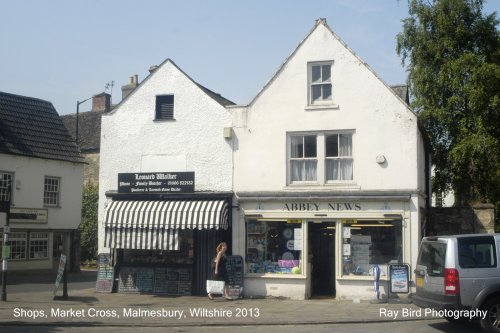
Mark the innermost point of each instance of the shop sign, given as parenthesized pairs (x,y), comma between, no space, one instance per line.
(156,182)
(400,278)
(294,221)
(28,215)
(321,206)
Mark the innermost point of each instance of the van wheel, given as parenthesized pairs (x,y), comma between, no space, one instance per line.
(492,321)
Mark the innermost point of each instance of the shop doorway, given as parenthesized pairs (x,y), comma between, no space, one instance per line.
(322,258)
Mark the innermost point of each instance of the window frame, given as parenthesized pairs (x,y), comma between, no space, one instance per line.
(46,192)
(159,114)
(322,83)
(3,189)
(15,237)
(265,266)
(321,158)
(43,244)
(303,158)
(339,158)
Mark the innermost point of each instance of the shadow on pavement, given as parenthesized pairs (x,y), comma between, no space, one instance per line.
(464,327)
(48,277)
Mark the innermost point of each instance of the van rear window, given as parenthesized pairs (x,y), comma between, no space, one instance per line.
(477,252)
(432,255)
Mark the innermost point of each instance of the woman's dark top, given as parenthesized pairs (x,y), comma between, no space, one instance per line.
(221,271)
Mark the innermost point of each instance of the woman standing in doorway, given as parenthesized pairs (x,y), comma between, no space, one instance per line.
(220,272)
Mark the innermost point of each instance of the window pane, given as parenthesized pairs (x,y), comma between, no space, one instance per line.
(271,248)
(316,92)
(332,145)
(297,148)
(345,144)
(310,170)
(316,73)
(371,243)
(310,146)
(345,169)
(5,186)
(476,252)
(326,72)
(296,170)
(327,91)
(332,169)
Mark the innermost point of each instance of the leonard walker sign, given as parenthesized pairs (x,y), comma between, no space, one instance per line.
(156,182)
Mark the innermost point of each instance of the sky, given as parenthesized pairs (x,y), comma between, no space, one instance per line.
(66,51)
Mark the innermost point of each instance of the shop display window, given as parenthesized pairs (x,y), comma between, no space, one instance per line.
(17,241)
(274,247)
(39,245)
(370,243)
(184,255)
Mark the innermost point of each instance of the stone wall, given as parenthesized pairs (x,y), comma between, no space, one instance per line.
(479,218)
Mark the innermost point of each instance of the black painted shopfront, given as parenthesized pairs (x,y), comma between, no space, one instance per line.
(164,243)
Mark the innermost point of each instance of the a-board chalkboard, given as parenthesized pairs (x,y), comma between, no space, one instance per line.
(175,281)
(105,274)
(234,267)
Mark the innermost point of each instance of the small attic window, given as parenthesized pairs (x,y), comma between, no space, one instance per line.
(165,107)
(320,83)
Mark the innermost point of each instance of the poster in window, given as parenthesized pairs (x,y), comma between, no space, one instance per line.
(297,239)
(399,277)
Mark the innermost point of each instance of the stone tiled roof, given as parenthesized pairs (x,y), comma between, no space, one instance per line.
(31,127)
(89,129)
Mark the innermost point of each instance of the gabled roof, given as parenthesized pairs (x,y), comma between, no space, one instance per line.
(215,96)
(322,22)
(89,129)
(31,127)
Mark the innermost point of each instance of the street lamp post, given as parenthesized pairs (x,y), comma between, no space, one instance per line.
(78,115)
(5,207)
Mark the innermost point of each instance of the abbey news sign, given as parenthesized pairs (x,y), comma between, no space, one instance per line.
(156,182)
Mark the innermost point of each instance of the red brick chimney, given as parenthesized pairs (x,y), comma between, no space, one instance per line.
(101,102)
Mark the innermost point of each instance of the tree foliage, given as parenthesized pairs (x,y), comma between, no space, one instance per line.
(88,227)
(451,50)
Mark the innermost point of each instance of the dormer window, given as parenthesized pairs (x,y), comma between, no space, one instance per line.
(164,107)
(320,83)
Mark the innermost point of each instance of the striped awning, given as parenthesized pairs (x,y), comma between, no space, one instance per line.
(155,224)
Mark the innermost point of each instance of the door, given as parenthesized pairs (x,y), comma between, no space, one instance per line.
(322,258)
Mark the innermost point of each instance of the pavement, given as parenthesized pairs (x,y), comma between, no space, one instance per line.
(86,307)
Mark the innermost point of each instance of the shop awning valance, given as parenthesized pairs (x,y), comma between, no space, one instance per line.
(155,224)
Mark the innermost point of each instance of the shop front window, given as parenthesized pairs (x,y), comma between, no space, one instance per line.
(370,243)
(184,255)
(274,247)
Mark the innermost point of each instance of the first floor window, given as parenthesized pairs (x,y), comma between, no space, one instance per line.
(5,186)
(51,191)
(320,158)
(17,241)
(339,159)
(303,157)
(274,247)
(370,243)
(39,245)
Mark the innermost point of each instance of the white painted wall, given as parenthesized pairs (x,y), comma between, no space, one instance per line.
(29,176)
(382,122)
(132,141)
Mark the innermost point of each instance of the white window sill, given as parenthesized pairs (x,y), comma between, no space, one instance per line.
(370,278)
(275,276)
(322,107)
(325,187)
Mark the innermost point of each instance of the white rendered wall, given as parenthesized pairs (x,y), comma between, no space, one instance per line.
(132,141)
(382,123)
(28,187)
